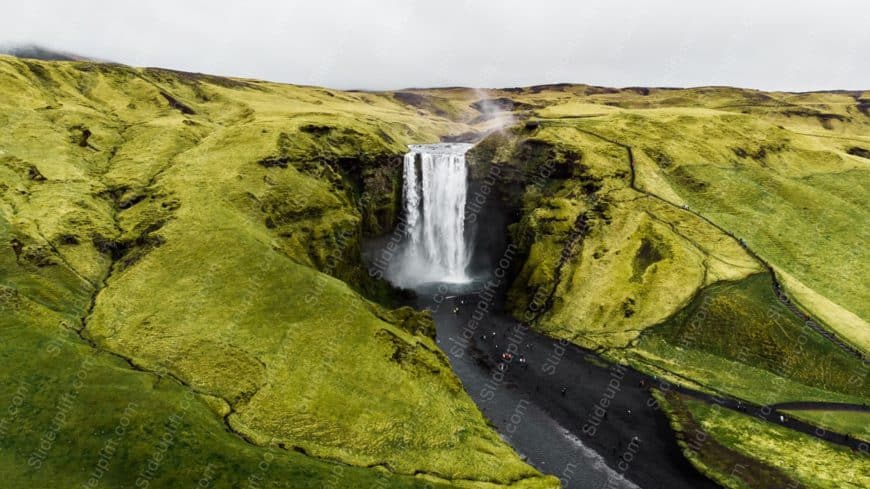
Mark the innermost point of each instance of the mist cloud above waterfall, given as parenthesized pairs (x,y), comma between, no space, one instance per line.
(777,44)
(498,111)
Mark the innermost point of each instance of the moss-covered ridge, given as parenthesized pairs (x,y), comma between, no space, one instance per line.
(740,451)
(603,260)
(668,232)
(202,234)
(738,158)
(612,248)
(206,230)
(621,148)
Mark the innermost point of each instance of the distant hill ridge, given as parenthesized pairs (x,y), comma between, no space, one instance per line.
(35,51)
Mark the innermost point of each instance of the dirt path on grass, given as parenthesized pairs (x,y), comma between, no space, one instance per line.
(821,406)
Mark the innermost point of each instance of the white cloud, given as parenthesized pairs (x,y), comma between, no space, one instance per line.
(778,44)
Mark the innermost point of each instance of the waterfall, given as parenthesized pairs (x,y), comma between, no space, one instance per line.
(434,198)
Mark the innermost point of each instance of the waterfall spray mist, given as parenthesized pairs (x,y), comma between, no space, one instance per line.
(492,111)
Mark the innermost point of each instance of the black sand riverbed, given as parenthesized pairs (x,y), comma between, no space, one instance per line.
(591,424)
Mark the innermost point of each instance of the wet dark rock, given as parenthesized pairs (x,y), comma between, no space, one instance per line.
(128,252)
(410,98)
(86,134)
(662,159)
(34,174)
(316,129)
(38,255)
(177,105)
(107,246)
(856,151)
(824,118)
(596,90)
(17,246)
(141,247)
(424,102)
(68,239)
(130,201)
(275,162)
(191,78)
(80,135)
(628,307)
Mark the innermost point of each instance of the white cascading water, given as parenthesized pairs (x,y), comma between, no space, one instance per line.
(434,198)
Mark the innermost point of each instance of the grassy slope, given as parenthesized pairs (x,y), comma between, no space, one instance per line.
(853,423)
(739,170)
(740,451)
(775,156)
(750,162)
(639,260)
(124,413)
(135,212)
(637,274)
(734,324)
(604,262)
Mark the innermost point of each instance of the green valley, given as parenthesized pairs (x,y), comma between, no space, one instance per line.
(182,280)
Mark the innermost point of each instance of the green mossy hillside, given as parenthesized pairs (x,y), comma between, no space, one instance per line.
(652,222)
(635,203)
(601,260)
(741,451)
(742,324)
(198,236)
(201,236)
(123,426)
(794,198)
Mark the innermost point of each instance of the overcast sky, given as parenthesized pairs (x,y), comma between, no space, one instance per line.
(380,44)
